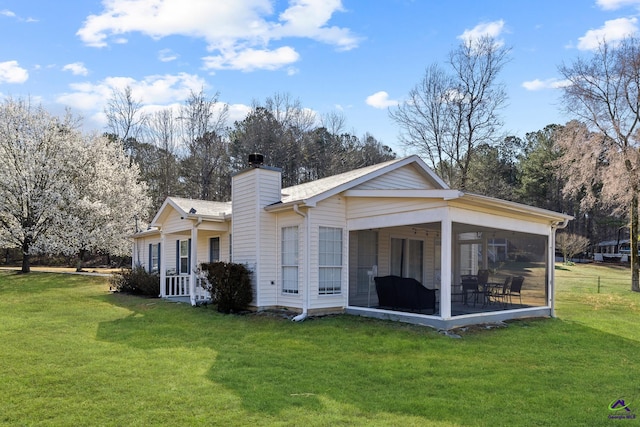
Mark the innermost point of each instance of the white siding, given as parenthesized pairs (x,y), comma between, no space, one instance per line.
(369,207)
(404,178)
(328,213)
(254,229)
(174,223)
(429,257)
(290,219)
(141,250)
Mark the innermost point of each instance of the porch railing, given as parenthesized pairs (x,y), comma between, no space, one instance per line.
(178,286)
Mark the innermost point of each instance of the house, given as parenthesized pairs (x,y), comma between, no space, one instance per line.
(324,246)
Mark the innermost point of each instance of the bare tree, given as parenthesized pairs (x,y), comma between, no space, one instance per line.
(124,116)
(162,132)
(203,122)
(570,245)
(447,115)
(604,94)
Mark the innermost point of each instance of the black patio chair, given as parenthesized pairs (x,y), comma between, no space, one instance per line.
(516,288)
(500,293)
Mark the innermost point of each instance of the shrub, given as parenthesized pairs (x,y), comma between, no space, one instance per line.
(137,281)
(229,285)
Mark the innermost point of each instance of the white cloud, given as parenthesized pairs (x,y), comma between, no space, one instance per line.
(238,33)
(11,72)
(616,4)
(167,55)
(380,100)
(537,84)
(76,68)
(158,89)
(10,14)
(612,31)
(252,59)
(492,29)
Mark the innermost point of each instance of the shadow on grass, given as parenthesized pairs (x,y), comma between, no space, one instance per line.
(39,282)
(527,373)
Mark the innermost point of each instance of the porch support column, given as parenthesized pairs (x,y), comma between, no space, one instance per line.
(162,267)
(194,264)
(446,266)
(551,266)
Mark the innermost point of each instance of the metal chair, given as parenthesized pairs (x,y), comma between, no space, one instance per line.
(500,293)
(516,288)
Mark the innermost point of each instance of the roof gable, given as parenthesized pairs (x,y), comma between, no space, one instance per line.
(192,208)
(387,175)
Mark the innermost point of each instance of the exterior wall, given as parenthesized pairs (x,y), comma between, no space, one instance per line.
(368,207)
(328,213)
(254,229)
(141,250)
(403,178)
(431,273)
(290,219)
(174,223)
(203,246)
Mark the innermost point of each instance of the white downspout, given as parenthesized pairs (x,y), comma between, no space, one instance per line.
(552,262)
(305,301)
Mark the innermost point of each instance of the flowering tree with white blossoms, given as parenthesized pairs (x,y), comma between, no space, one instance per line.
(62,191)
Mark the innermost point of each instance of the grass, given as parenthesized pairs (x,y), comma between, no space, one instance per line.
(73,354)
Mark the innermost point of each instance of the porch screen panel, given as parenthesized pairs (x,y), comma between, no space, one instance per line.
(415,268)
(330,260)
(367,258)
(397,257)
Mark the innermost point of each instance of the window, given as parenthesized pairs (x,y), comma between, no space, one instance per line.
(184,256)
(330,260)
(407,258)
(154,258)
(289,260)
(214,249)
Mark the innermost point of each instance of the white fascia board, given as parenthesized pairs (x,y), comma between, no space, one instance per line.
(406,193)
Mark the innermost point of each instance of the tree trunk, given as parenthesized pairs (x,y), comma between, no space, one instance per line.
(633,237)
(26,256)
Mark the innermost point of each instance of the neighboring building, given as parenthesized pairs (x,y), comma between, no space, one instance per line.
(317,247)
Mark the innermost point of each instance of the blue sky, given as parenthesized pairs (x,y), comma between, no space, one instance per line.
(359,57)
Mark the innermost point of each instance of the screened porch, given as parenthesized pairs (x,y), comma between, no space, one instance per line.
(400,269)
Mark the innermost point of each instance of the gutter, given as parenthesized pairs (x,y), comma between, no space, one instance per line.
(305,301)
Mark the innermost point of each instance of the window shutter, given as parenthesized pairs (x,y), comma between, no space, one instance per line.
(189,259)
(178,257)
(159,257)
(150,258)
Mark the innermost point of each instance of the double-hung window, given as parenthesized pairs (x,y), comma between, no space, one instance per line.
(214,249)
(330,260)
(154,258)
(289,257)
(184,256)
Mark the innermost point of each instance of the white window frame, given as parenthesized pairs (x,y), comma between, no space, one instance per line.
(184,247)
(289,259)
(330,260)
(155,258)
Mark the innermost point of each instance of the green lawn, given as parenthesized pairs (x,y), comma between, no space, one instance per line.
(74,355)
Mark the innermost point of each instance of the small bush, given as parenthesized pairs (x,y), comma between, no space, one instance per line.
(137,281)
(229,285)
